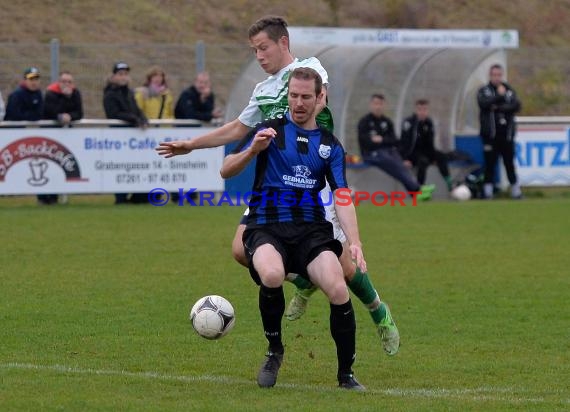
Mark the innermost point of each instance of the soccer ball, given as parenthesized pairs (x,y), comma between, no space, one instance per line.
(461,193)
(212,317)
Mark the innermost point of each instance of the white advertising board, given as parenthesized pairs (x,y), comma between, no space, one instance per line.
(102,160)
(404,38)
(542,155)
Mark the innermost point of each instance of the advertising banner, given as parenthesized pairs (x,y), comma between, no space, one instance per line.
(404,38)
(542,155)
(102,160)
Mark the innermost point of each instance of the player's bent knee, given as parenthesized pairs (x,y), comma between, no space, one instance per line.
(269,265)
(238,253)
(272,277)
(337,293)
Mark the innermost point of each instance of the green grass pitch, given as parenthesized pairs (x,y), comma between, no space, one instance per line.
(94,303)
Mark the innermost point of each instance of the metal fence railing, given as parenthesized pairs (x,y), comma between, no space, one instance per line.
(91,65)
(104,122)
(541,76)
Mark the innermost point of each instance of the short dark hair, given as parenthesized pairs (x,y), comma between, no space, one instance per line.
(378,96)
(495,66)
(306,73)
(274,26)
(422,102)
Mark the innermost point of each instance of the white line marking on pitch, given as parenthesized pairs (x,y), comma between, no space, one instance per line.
(490,393)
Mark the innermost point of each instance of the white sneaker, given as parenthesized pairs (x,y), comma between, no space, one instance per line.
(488,190)
(516,192)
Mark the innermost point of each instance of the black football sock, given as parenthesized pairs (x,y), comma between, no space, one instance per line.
(272,307)
(343,331)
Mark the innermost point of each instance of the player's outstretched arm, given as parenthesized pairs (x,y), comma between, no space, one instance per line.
(171,149)
(234,163)
(228,133)
(348,222)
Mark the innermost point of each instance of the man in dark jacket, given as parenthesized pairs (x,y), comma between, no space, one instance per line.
(498,104)
(379,147)
(26,102)
(197,101)
(119,100)
(417,144)
(63,101)
(119,103)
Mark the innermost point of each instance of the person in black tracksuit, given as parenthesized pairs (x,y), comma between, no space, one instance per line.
(119,103)
(417,143)
(498,104)
(379,144)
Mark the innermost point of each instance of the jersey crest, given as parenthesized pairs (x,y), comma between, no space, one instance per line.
(324,151)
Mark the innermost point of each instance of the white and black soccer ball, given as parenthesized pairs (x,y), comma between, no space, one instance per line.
(461,193)
(212,317)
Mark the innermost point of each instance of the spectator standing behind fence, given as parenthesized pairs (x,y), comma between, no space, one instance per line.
(119,103)
(417,144)
(26,102)
(154,98)
(198,101)
(63,101)
(498,104)
(379,147)
(119,100)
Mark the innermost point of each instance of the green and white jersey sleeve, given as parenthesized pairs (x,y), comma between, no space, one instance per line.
(269,98)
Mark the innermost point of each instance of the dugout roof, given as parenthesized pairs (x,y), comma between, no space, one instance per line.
(448,77)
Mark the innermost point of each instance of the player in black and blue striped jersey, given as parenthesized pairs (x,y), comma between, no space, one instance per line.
(286,228)
(291,173)
(269,40)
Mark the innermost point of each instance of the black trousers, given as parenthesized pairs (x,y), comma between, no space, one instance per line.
(492,149)
(47,199)
(423,160)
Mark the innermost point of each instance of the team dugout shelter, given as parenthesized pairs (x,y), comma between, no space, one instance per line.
(447,67)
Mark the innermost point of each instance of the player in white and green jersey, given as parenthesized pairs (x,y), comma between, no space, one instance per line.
(269,98)
(269,40)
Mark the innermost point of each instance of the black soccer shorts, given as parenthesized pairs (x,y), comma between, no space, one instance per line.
(297,243)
